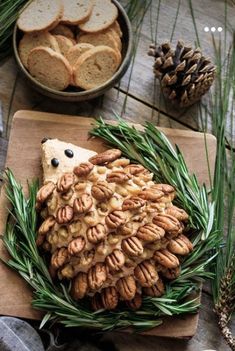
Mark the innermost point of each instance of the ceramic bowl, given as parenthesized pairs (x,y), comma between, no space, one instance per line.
(73,93)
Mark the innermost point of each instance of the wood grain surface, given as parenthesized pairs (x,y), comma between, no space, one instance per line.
(24,159)
(143,102)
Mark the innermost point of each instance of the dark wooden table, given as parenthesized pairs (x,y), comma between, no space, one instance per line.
(143,101)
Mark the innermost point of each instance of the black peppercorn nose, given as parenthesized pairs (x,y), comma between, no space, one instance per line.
(68,153)
(55,162)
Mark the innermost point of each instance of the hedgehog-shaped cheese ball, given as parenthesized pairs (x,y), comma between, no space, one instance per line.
(108,226)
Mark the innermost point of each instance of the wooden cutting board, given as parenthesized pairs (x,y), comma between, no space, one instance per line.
(23,158)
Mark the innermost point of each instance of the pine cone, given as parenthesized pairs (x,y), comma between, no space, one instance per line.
(185,74)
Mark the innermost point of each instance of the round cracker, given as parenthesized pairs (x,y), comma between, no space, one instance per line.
(103,15)
(76,11)
(40,15)
(32,40)
(62,29)
(101,38)
(50,68)
(95,67)
(116,27)
(64,43)
(76,51)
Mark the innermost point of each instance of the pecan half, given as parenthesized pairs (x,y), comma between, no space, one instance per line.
(178,213)
(118,177)
(133,203)
(64,214)
(121,162)
(166,258)
(151,195)
(156,290)
(76,245)
(101,191)
(115,260)
(82,204)
(105,157)
(97,276)
(109,298)
(96,302)
(44,192)
(169,223)
(135,303)
(115,219)
(171,274)
(150,232)
(83,169)
(44,229)
(180,245)
(165,188)
(132,246)
(135,169)
(96,234)
(59,257)
(46,225)
(79,286)
(127,287)
(65,182)
(146,274)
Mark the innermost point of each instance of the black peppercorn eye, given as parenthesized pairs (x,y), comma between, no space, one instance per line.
(55,162)
(68,153)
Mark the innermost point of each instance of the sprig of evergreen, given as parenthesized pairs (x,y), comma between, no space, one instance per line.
(9,12)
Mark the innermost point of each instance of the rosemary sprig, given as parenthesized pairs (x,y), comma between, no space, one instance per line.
(53,298)
(9,12)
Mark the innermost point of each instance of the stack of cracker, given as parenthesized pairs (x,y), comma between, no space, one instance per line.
(70,43)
